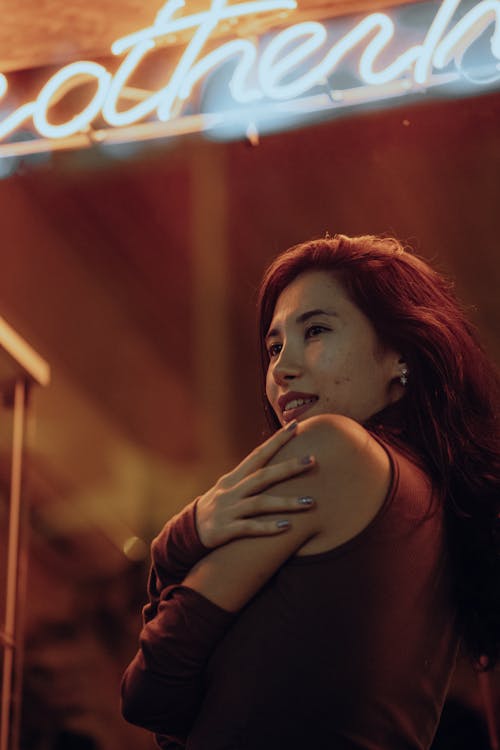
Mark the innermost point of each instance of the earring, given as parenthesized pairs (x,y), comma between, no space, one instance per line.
(403,377)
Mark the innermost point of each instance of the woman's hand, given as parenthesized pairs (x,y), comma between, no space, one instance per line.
(227,511)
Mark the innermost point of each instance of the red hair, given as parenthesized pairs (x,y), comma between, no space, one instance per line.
(450,408)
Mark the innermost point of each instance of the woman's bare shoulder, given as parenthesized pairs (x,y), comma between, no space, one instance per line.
(341,442)
(351,478)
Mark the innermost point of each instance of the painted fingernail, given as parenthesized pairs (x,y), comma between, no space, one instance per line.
(282,524)
(306,460)
(305,501)
(291,426)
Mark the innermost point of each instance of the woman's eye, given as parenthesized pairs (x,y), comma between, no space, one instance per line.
(314,330)
(274,350)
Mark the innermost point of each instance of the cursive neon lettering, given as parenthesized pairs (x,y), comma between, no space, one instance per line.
(239,80)
(271,70)
(119,82)
(282,71)
(427,50)
(467,30)
(62,81)
(164,25)
(186,73)
(401,65)
(194,47)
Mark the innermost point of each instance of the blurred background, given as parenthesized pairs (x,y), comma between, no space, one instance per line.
(133,271)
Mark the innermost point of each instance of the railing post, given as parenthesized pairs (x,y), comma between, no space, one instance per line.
(20,367)
(11,693)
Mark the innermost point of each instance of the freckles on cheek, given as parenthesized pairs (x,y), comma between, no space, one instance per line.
(342,381)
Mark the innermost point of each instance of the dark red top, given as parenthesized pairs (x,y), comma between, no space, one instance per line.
(350,649)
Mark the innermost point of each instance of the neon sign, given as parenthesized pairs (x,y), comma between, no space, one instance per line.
(291,74)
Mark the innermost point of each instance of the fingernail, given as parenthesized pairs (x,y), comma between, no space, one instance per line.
(291,426)
(305,501)
(306,460)
(282,524)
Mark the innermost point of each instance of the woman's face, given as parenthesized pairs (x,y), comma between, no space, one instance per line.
(324,351)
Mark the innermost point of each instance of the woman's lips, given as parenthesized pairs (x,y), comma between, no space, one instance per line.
(290,414)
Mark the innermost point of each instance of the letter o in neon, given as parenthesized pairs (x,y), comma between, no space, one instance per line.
(60,82)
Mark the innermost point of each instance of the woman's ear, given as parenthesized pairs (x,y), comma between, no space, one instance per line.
(402,370)
(398,367)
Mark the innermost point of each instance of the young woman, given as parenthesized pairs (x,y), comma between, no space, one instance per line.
(338,626)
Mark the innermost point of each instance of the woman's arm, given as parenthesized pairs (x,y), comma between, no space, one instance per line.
(163,686)
(177,547)
(160,692)
(349,484)
(235,507)
(175,550)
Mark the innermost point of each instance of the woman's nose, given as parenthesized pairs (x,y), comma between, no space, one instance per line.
(287,366)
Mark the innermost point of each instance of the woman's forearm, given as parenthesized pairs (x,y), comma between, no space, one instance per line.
(175,550)
(162,686)
(177,547)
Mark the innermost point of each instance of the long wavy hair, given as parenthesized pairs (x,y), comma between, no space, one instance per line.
(449,413)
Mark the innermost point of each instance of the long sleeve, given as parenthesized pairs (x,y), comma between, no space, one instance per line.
(175,550)
(162,687)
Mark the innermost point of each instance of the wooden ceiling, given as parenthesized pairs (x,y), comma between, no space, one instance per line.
(39,33)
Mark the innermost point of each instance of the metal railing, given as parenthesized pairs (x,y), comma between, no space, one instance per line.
(20,368)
